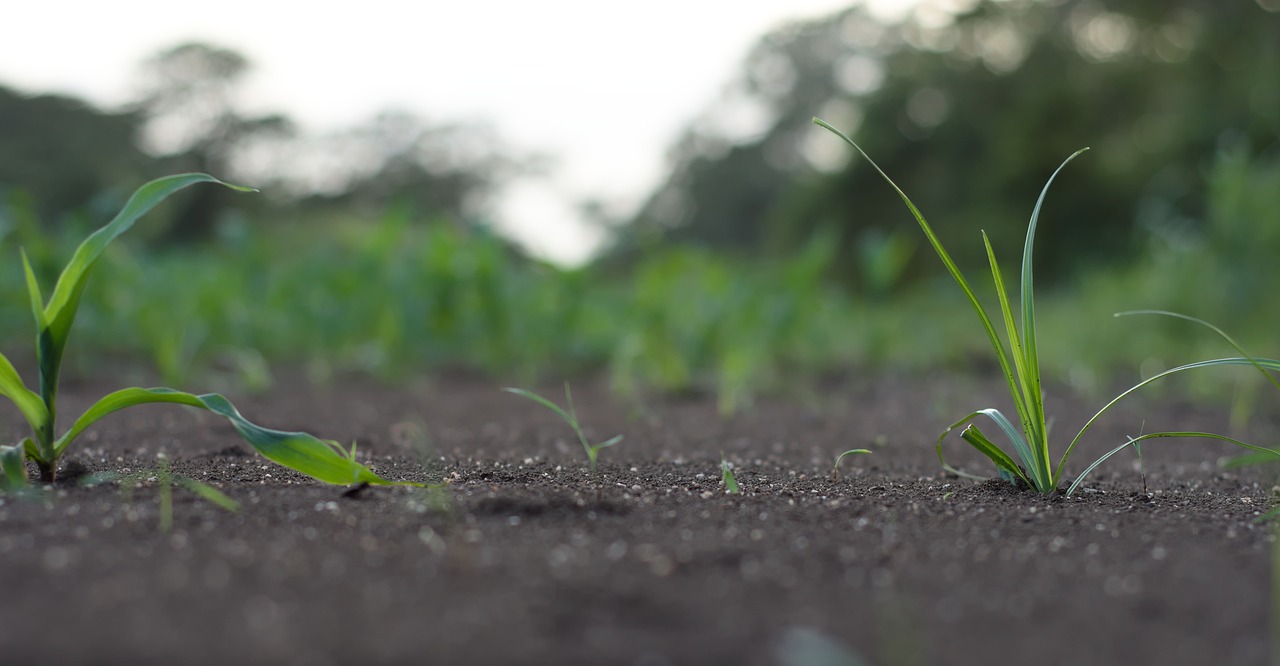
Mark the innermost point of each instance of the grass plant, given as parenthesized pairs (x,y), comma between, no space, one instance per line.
(1020,365)
(835,469)
(571,417)
(321,459)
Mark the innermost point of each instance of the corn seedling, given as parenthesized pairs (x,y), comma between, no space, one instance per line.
(1020,365)
(726,475)
(571,417)
(321,459)
(165,480)
(835,469)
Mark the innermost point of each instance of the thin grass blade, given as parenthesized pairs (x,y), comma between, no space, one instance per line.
(1221,333)
(610,442)
(996,345)
(207,493)
(1020,392)
(544,402)
(1030,347)
(1266,363)
(835,469)
(320,459)
(1155,435)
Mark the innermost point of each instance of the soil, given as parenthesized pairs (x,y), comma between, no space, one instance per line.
(516,561)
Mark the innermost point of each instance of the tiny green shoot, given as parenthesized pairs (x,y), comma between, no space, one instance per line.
(165,481)
(1020,365)
(726,475)
(323,460)
(835,469)
(571,417)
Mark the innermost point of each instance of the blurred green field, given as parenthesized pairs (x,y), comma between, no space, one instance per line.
(401,298)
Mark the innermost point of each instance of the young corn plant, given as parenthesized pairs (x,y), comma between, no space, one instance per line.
(320,459)
(165,481)
(727,477)
(571,417)
(1020,365)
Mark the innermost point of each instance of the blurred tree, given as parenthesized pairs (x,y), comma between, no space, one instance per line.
(439,170)
(190,100)
(970,111)
(63,155)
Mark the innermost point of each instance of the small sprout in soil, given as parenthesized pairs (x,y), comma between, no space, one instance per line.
(320,459)
(165,480)
(1020,364)
(835,469)
(726,475)
(571,417)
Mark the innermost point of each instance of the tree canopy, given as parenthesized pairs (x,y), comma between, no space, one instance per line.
(970,113)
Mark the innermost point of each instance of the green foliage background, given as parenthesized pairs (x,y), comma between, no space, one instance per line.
(764,260)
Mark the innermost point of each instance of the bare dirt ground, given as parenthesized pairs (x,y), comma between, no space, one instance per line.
(517,561)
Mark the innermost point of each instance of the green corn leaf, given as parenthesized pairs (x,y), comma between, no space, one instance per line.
(1134,440)
(28,402)
(34,293)
(60,312)
(322,460)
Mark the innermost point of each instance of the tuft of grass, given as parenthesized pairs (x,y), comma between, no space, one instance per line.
(835,469)
(571,417)
(320,459)
(1020,364)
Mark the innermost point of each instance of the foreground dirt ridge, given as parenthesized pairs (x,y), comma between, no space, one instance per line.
(514,560)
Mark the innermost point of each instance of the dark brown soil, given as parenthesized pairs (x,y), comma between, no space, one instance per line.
(516,561)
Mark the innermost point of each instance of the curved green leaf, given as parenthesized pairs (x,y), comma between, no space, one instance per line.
(28,402)
(998,456)
(1221,333)
(1135,440)
(1001,356)
(323,460)
(1009,470)
(60,312)
(1266,363)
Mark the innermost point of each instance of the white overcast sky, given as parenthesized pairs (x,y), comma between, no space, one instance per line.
(603,86)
